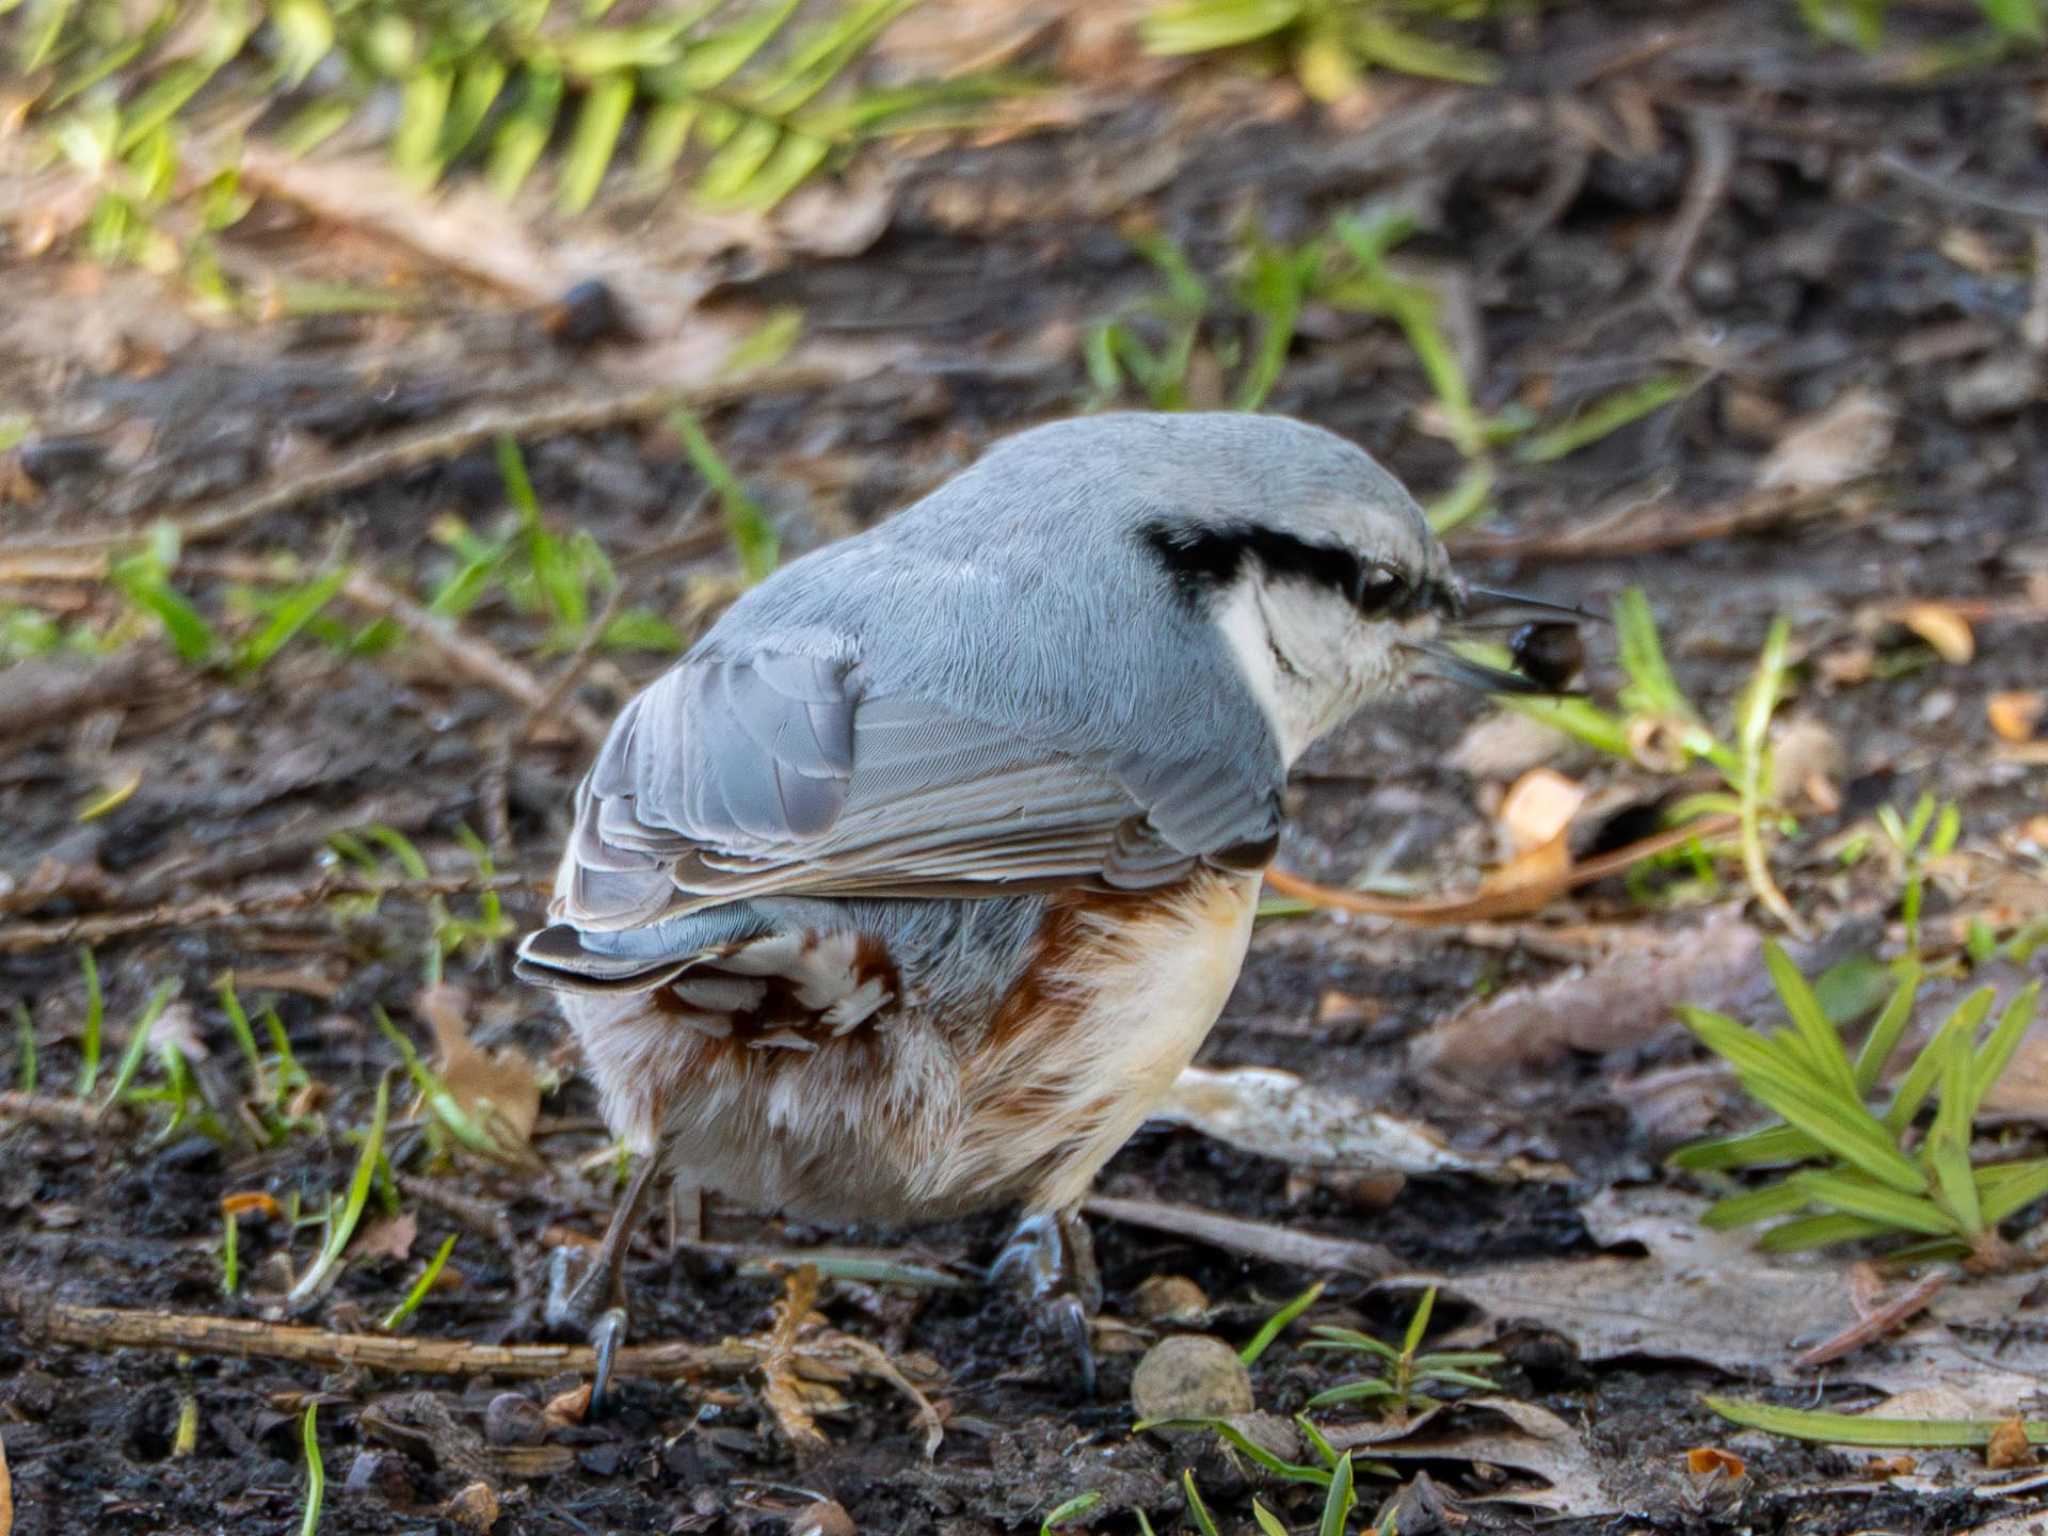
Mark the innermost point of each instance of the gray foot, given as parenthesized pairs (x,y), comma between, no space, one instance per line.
(1049,1264)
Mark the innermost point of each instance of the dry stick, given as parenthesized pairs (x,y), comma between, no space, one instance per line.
(1280,1245)
(24,938)
(432,445)
(476,659)
(1508,901)
(71,1114)
(1756,513)
(102,1328)
(1713,149)
(1878,1323)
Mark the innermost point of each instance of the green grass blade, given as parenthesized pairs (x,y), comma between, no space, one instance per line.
(420,1287)
(1338,1501)
(753,537)
(1201,26)
(2005,1188)
(1205,1524)
(316,1472)
(1603,418)
(298,610)
(1852,1197)
(1418,1325)
(1773,1200)
(1821,1232)
(606,101)
(1845,1129)
(1277,1324)
(1775,1144)
(716,59)
(1884,1035)
(1329,1337)
(1819,1037)
(523,136)
(89,1036)
(1862,1429)
(138,1041)
(422,117)
(1997,1052)
(342,1226)
(1926,1068)
(1352,1392)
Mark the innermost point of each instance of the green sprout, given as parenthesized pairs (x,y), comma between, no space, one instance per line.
(1331,45)
(1404,1370)
(1856,1173)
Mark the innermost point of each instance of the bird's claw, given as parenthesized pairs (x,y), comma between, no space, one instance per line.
(572,1307)
(1049,1263)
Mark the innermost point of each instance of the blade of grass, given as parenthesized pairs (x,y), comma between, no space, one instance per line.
(25,1035)
(1337,1503)
(420,1287)
(138,1041)
(2007,1187)
(1820,1232)
(1926,1068)
(89,1037)
(1991,1061)
(342,1227)
(316,1472)
(1198,1512)
(1863,1429)
(1275,1325)
(1753,744)
(298,610)
(1603,418)
(1244,1445)
(1875,1203)
(1884,1035)
(1418,1325)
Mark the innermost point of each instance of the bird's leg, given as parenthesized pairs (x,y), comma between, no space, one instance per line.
(1049,1263)
(602,1283)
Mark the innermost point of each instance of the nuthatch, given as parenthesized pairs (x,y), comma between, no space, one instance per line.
(913,886)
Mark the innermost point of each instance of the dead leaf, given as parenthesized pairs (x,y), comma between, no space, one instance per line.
(1275,1114)
(497,1087)
(1944,629)
(1539,808)
(2015,714)
(1807,756)
(1711,1461)
(177,1029)
(1845,442)
(6,1492)
(2009,1447)
(1535,1441)
(1713,1297)
(250,1202)
(568,1408)
(388,1237)
(474,1508)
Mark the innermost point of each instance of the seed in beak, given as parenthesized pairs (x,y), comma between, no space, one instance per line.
(1549,652)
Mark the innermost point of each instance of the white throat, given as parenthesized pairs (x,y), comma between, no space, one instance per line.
(1303,656)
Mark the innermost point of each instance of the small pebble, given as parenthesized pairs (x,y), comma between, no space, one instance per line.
(475,1508)
(1170,1299)
(512,1419)
(1191,1376)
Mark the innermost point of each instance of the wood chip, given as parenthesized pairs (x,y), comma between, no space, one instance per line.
(1946,630)
(2009,1447)
(2016,713)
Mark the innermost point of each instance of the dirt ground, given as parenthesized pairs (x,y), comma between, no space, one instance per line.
(1700,190)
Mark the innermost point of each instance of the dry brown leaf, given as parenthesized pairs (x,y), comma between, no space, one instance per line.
(6,1492)
(2009,1446)
(1535,1441)
(497,1087)
(1710,1460)
(388,1237)
(1845,442)
(2016,713)
(1538,809)
(568,1408)
(248,1202)
(1944,629)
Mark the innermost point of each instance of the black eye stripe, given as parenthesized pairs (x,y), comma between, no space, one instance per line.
(1202,559)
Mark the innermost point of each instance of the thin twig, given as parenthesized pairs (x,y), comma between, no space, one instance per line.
(571,671)
(1713,162)
(71,1114)
(430,445)
(1760,512)
(1279,1245)
(1509,900)
(24,938)
(104,1328)
(1877,1323)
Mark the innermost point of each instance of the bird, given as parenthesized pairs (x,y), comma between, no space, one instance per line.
(910,889)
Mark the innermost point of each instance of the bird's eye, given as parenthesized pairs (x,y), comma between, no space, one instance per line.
(1380,590)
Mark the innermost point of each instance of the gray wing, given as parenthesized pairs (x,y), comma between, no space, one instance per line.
(770,773)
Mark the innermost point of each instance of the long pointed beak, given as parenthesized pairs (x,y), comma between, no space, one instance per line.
(1496,596)
(1439,660)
